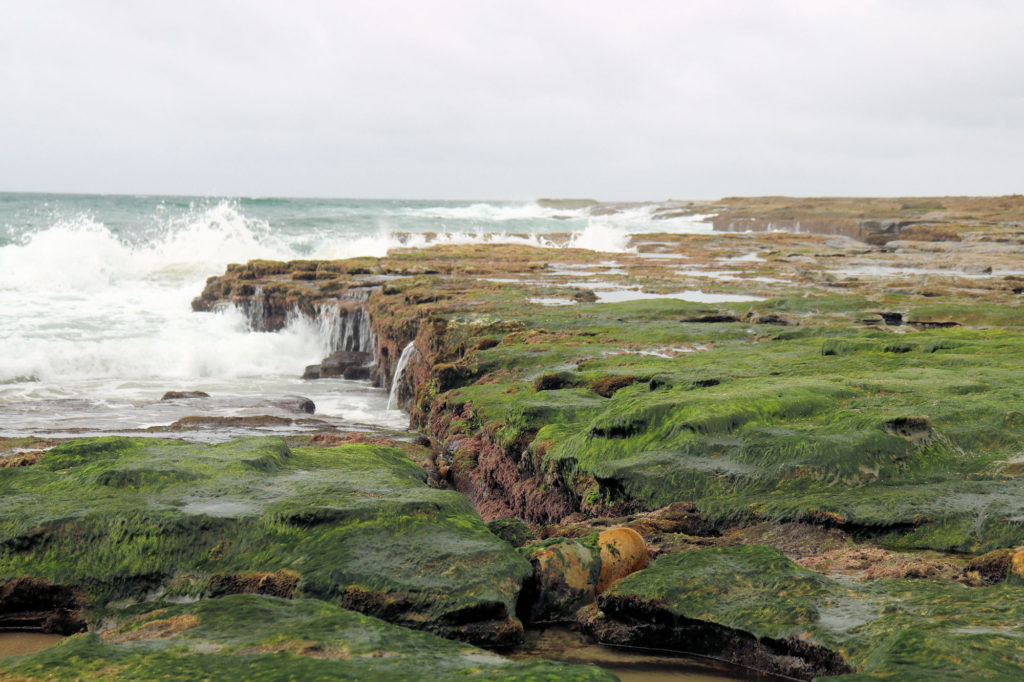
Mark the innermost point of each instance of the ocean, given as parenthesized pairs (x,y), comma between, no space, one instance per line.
(95,292)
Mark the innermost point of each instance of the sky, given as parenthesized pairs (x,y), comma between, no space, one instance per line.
(694,99)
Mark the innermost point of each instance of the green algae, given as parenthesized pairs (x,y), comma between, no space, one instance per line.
(264,638)
(126,518)
(511,530)
(840,402)
(791,428)
(908,630)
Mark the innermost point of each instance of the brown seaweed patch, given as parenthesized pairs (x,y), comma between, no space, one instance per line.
(607,386)
(218,422)
(283,584)
(874,563)
(917,429)
(992,567)
(21,459)
(330,440)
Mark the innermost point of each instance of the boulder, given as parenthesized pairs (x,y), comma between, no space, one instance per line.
(293,403)
(353,362)
(184,395)
(565,574)
(568,574)
(623,551)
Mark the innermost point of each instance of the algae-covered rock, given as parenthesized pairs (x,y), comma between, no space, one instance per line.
(248,637)
(754,606)
(125,518)
(565,575)
(513,531)
(569,574)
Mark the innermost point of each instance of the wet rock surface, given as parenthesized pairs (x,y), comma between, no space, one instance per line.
(761,609)
(355,524)
(354,365)
(184,395)
(258,637)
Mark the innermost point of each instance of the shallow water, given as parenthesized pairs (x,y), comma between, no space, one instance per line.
(692,296)
(23,643)
(630,665)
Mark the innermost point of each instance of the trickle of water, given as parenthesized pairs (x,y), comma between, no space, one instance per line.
(329,324)
(403,361)
(256,311)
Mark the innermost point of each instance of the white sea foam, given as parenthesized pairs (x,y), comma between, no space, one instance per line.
(78,253)
(180,345)
(600,236)
(501,212)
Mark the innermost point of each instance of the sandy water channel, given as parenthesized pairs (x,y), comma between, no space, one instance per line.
(559,643)
(22,643)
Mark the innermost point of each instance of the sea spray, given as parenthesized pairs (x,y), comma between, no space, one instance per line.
(403,361)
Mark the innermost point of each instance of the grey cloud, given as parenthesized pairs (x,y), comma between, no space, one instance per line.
(513,99)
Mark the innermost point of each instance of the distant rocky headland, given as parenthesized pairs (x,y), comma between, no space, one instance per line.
(792,444)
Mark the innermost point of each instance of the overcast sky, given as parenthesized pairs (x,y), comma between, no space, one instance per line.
(513,99)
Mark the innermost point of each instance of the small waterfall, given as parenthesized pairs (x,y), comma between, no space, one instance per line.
(403,361)
(350,332)
(256,311)
(341,329)
(364,334)
(329,327)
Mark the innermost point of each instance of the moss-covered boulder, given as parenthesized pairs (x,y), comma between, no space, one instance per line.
(132,519)
(251,637)
(754,606)
(569,574)
(565,575)
(512,530)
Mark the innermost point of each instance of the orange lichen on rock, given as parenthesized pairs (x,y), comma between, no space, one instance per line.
(1017,563)
(623,551)
(22,459)
(330,440)
(563,581)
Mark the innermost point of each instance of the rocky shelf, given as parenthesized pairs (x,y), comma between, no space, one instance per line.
(814,442)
